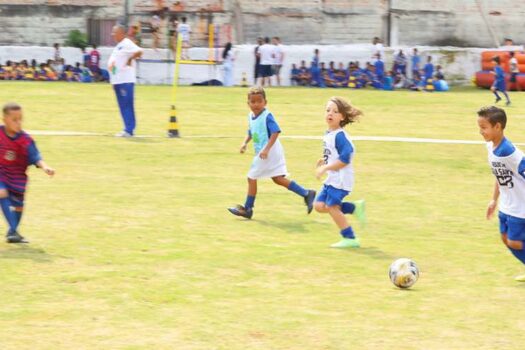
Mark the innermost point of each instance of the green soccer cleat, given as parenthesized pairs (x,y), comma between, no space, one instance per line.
(346,243)
(520,278)
(359,212)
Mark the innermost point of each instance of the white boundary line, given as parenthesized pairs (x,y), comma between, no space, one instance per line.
(292,137)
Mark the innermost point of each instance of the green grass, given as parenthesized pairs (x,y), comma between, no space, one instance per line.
(132,246)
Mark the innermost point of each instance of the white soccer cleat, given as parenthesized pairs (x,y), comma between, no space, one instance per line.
(123,134)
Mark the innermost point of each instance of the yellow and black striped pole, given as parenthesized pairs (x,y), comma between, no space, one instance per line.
(173,126)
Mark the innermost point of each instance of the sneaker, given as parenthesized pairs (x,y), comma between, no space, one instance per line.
(507,104)
(520,278)
(15,237)
(497,99)
(239,210)
(309,200)
(360,213)
(123,134)
(346,243)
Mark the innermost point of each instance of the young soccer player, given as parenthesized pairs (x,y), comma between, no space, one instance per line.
(508,166)
(269,159)
(499,81)
(17,152)
(337,163)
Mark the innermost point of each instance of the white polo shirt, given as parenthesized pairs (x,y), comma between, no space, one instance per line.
(119,58)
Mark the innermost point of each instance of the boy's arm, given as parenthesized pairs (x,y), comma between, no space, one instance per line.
(271,142)
(48,170)
(494,201)
(245,143)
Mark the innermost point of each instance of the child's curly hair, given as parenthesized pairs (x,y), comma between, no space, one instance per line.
(349,112)
(257,90)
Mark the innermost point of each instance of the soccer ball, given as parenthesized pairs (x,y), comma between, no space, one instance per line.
(403,273)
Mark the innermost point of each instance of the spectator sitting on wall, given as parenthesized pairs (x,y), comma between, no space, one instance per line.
(304,75)
(341,76)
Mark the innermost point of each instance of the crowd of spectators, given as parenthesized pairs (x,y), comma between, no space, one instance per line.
(57,69)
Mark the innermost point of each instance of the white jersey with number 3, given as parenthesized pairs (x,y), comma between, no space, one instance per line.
(508,166)
(334,142)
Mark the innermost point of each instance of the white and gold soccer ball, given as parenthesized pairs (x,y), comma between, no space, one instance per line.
(403,273)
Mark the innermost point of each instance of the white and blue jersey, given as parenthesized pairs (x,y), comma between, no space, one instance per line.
(508,166)
(261,128)
(338,146)
(499,79)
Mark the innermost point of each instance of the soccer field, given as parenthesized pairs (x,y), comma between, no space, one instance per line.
(132,246)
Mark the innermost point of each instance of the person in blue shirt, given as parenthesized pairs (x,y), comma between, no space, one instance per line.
(499,81)
(379,69)
(315,71)
(416,61)
(294,73)
(429,69)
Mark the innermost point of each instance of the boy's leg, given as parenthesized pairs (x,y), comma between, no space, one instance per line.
(120,92)
(357,208)
(17,202)
(308,195)
(5,203)
(247,210)
(349,240)
(506,96)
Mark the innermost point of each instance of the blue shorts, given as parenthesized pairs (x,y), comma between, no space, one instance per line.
(514,227)
(331,196)
(500,86)
(17,199)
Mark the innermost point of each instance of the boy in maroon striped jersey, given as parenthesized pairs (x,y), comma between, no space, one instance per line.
(17,152)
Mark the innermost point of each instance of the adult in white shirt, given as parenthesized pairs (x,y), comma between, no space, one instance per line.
(278,58)
(123,76)
(378,48)
(184,30)
(266,54)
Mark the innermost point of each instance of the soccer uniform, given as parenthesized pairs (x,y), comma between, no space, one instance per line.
(16,154)
(261,127)
(514,70)
(339,183)
(266,52)
(508,166)
(499,81)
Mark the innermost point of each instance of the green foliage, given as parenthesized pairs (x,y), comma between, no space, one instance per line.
(76,38)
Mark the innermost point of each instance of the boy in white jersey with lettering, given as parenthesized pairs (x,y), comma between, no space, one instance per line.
(337,163)
(508,166)
(269,159)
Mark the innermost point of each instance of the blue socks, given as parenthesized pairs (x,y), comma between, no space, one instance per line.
(250,201)
(497,96)
(506,96)
(347,207)
(17,216)
(519,254)
(295,188)
(9,216)
(348,233)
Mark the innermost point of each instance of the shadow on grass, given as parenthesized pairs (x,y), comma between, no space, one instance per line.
(288,226)
(24,251)
(372,252)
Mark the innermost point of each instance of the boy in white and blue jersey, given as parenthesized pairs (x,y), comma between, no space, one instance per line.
(508,166)
(337,163)
(269,159)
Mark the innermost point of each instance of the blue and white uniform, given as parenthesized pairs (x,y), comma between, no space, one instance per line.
(339,183)
(508,166)
(499,79)
(261,127)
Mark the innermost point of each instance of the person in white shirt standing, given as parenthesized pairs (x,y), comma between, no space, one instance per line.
(184,30)
(266,54)
(278,58)
(514,70)
(123,76)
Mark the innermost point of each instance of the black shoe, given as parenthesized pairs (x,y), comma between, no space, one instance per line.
(309,200)
(497,100)
(239,210)
(507,104)
(15,237)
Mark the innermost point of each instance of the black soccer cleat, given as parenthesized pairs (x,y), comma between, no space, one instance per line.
(309,200)
(15,237)
(239,210)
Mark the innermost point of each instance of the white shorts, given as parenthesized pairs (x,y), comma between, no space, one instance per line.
(274,165)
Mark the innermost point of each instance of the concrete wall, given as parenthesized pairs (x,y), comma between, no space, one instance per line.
(459,64)
(475,23)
